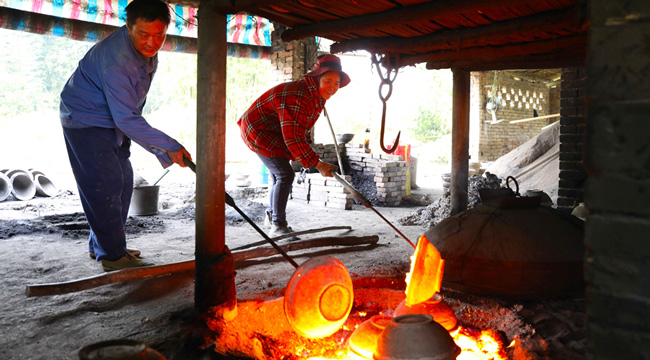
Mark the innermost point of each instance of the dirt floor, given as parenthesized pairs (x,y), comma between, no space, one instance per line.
(44,240)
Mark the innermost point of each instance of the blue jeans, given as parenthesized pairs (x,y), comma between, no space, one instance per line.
(282,175)
(105,181)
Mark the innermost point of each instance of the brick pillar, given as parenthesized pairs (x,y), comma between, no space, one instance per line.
(572,132)
(291,59)
(618,189)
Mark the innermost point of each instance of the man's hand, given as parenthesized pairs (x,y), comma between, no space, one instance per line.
(177,156)
(325,168)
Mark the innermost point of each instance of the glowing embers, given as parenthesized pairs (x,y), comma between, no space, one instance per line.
(479,345)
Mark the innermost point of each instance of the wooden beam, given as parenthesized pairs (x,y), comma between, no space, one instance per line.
(215,272)
(550,21)
(563,59)
(413,13)
(535,118)
(487,53)
(460,142)
(91,282)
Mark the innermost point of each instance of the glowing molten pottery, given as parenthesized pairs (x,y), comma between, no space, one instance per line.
(318,297)
(440,311)
(425,278)
(363,340)
(415,337)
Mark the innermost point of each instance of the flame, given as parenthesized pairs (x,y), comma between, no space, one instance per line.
(483,345)
(474,344)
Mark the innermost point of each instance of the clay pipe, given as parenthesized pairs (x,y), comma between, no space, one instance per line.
(366,203)
(231,202)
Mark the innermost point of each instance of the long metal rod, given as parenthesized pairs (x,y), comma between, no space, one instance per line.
(230,201)
(336,144)
(367,203)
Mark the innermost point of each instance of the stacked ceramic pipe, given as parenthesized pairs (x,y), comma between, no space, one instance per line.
(25,184)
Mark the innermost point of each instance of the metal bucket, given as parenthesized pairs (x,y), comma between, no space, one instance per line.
(144,200)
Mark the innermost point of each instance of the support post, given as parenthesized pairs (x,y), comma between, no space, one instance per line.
(215,271)
(460,141)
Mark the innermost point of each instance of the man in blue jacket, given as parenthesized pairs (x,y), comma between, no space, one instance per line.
(101,112)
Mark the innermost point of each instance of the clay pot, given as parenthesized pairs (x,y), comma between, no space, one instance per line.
(319,297)
(363,340)
(439,310)
(415,337)
(119,350)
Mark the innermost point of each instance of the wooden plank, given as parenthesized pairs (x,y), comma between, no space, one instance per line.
(419,12)
(549,22)
(184,266)
(563,59)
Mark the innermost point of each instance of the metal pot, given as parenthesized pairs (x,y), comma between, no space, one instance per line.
(144,200)
(319,297)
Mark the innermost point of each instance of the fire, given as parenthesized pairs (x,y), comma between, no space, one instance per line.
(475,345)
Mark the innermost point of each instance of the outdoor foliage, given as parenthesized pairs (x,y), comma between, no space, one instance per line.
(433,120)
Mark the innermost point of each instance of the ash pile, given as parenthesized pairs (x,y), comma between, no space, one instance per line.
(440,209)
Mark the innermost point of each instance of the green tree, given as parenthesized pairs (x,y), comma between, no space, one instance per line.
(433,120)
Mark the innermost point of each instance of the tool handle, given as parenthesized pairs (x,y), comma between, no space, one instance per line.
(189,163)
(366,203)
(351,188)
(230,201)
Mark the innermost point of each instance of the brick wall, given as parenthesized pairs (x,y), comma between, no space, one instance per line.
(519,98)
(572,138)
(618,188)
(291,59)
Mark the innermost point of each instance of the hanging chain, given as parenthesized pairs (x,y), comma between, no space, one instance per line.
(391,74)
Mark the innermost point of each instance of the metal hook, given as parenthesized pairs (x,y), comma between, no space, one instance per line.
(387,80)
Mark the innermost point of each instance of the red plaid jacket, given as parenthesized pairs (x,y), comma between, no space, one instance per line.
(277,123)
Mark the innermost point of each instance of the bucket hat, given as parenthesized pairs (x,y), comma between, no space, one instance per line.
(327,62)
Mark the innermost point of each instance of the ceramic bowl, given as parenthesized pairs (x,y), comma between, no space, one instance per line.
(344,138)
(415,337)
(363,340)
(438,309)
(319,297)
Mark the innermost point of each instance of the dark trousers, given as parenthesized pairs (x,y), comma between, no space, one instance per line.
(282,175)
(105,181)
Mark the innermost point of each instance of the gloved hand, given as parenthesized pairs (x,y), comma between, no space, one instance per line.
(325,168)
(177,156)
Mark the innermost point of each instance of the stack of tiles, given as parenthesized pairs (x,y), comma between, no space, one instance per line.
(321,191)
(327,152)
(389,172)
(390,178)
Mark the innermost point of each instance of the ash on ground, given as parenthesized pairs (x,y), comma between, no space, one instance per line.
(252,209)
(440,209)
(365,184)
(74,226)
